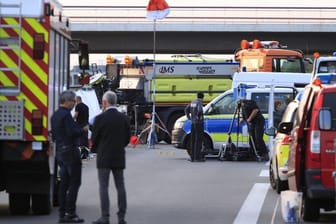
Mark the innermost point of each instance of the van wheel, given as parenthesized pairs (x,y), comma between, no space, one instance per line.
(310,210)
(279,184)
(207,145)
(271,176)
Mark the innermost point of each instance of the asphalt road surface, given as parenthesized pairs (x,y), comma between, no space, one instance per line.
(163,187)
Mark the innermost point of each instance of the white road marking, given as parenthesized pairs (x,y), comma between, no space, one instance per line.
(264,173)
(249,212)
(275,210)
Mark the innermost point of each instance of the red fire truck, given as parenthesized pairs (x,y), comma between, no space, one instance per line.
(34,61)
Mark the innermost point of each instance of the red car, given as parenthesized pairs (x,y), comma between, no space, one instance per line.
(311,164)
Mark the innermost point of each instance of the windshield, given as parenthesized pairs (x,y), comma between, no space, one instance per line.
(329,102)
(214,101)
(290,64)
(262,100)
(327,67)
(224,105)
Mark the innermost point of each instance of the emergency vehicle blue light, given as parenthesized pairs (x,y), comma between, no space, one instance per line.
(240,91)
(327,78)
(334,54)
(298,96)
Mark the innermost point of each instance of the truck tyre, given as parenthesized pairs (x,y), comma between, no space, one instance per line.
(41,204)
(310,210)
(19,204)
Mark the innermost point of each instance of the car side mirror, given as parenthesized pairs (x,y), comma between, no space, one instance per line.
(285,127)
(211,109)
(309,60)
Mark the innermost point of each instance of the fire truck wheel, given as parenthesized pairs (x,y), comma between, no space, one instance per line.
(19,203)
(41,204)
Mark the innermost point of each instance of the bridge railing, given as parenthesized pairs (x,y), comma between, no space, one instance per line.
(207,15)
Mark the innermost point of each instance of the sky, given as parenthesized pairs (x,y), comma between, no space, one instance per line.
(286,3)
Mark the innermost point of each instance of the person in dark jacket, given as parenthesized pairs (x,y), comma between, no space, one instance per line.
(253,116)
(65,133)
(110,135)
(194,112)
(277,114)
(81,117)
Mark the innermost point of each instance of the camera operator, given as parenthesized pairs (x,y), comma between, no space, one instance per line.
(253,116)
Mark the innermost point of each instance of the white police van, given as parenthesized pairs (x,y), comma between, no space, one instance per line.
(261,87)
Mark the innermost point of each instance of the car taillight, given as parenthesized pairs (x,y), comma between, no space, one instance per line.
(315,142)
(37,122)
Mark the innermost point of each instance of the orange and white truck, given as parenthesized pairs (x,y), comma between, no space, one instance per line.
(34,69)
(269,56)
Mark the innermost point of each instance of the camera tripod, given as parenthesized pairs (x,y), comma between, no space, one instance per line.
(144,137)
(231,151)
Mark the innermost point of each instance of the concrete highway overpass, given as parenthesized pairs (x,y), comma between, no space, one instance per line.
(201,42)
(211,30)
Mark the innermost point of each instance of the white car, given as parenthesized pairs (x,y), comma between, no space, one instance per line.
(278,167)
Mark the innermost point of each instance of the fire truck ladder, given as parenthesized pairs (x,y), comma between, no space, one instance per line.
(10,44)
(11,119)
